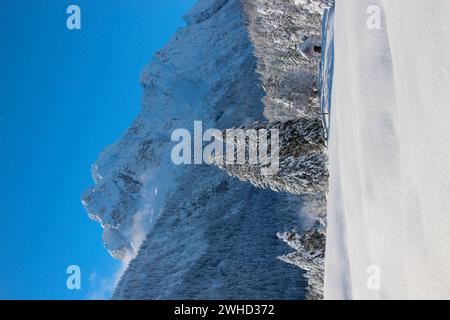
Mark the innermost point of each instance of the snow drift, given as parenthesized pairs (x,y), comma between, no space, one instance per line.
(389,201)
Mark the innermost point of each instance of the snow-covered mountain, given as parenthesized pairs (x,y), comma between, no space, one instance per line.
(193,231)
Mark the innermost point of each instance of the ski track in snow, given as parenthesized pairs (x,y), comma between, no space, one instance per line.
(326,68)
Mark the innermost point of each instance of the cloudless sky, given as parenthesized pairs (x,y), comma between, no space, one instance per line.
(64,96)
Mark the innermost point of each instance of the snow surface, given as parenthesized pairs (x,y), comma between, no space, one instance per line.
(389,201)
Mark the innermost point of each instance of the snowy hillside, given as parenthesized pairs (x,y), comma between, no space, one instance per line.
(193,231)
(389,203)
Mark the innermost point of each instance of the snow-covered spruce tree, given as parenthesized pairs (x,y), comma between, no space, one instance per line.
(309,255)
(302,168)
(315,6)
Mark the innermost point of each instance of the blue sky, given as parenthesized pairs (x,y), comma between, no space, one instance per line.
(64,96)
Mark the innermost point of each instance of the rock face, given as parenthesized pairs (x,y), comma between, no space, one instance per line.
(193,232)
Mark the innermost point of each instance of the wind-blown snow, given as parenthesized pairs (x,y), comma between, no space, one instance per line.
(389,201)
